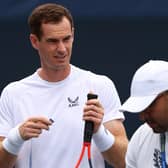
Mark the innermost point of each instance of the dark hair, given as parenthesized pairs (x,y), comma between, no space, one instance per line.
(46,13)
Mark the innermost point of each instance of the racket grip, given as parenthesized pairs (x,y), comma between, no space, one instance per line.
(89,125)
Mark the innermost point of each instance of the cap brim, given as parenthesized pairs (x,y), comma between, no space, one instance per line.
(137,104)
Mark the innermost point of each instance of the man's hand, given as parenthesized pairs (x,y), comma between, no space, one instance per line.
(33,127)
(93,111)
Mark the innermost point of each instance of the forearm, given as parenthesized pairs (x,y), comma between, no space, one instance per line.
(115,155)
(10,147)
(12,144)
(112,143)
(7,160)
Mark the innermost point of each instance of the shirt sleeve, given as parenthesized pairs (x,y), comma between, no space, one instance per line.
(131,152)
(5,113)
(135,146)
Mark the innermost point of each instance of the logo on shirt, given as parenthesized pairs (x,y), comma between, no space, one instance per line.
(73,102)
(157,159)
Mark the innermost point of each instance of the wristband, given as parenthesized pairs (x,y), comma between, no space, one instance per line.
(103,139)
(13,142)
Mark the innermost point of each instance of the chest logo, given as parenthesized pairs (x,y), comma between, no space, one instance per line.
(157,159)
(73,102)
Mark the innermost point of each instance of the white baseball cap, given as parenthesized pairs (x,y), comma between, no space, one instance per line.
(148,81)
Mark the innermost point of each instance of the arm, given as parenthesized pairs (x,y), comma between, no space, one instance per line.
(7,160)
(116,154)
(114,149)
(11,145)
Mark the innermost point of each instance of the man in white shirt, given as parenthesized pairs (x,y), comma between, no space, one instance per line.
(42,116)
(148,147)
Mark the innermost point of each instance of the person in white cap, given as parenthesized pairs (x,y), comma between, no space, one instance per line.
(148,147)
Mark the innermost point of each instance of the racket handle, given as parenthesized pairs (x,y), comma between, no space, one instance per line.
(89,125)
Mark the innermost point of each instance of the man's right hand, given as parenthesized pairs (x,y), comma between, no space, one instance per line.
(33,127)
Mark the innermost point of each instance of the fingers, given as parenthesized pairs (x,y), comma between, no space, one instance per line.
(93,108)
(41,120)
(93,111)
(33,127)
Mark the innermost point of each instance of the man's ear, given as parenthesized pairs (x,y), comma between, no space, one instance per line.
(34,41)
(166,94)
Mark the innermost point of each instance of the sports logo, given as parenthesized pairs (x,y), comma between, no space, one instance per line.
(73,102)
(157,159)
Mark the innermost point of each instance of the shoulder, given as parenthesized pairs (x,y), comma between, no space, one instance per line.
(144,130)
(92,77)
(17,86)
(142,134)
(104,87)
(138,145)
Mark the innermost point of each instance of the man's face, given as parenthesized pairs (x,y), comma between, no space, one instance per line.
(156,115)
(55,45)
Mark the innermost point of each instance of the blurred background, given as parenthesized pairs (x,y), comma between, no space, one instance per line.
(111,37)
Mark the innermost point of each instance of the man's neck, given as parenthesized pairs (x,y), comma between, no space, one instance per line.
(54,75)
